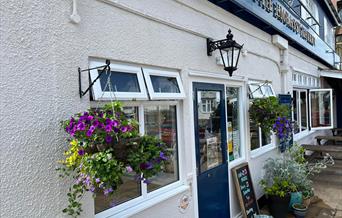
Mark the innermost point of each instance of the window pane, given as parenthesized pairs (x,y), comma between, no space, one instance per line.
(121,82)
(233,123)
(255,91)
(266,139)
(254,131)
(128,190)
(320,108)
(162,84)
(267,90)
(161,121)
(209,131)
(130,187)
(303,111)
(295,112)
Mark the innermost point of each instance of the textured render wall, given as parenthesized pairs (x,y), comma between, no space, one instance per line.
(29,115)
(40,52)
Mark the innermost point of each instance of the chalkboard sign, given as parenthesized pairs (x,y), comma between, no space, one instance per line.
(245,191)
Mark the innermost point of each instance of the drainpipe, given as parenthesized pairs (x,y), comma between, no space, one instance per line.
(282,44)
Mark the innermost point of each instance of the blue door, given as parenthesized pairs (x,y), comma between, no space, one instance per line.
(211,150)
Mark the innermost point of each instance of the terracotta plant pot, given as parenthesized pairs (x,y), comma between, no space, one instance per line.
(279,205)
(307,201)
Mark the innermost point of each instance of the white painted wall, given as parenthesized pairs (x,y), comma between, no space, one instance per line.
(41,50)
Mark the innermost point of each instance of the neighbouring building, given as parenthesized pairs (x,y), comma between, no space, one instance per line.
(161,71)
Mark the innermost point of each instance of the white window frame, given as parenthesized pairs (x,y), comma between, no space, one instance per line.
(148,199)
(163,73)
(100,94)
(241,123)
(331,109)
(261,88)
(262,148)
(299,113)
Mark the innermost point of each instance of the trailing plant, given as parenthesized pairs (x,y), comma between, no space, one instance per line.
(265,111)
(282,128)
(103,145)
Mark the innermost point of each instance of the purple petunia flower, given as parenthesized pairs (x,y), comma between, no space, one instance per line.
(80,126)
(108,128)
(108,139)
(124,129)
(108,121)
(107,191)
(114,123)
(90,118)
(81,152)
(92,128)
(92,189)
(96,123)
(162,156)
(146,166)
(129,169)
(97,180)
(89,133)
(116,130)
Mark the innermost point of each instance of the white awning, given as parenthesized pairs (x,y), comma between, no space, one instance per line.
(331,73)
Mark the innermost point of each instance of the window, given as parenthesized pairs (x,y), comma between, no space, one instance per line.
(160,120)
(207,105)
(126,82)
(233,123)
(123,82)
(310,14)
(300,110)
(328,33)
(257,136)
(156,118)
(318,103)
(260,90)
(163,84)
(321,108)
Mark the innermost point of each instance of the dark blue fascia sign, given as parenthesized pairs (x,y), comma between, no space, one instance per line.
(283,19)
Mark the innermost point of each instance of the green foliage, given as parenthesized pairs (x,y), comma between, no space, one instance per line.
(265,111)
(291,172)
(148,159)
(105,144)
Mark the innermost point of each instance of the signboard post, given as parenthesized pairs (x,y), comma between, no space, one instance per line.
(245,190)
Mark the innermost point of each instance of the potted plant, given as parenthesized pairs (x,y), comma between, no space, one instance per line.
(305,170)
(283,130)
(278,185)
(299,210)
(103,145)
(265,111)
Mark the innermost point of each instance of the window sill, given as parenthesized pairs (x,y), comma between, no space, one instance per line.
(143,205)
(236,162)
(260,151)
(302,135)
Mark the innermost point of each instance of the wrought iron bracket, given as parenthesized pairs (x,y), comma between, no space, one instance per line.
(105,68)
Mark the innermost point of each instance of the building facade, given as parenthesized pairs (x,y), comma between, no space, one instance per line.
(166,80)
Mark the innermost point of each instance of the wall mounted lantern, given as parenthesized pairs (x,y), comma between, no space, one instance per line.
(229,50)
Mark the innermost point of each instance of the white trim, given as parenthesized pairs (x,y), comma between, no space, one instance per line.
(134,209)
(262,150)
(337,75)
(99,94)
(163,73)
(331,109)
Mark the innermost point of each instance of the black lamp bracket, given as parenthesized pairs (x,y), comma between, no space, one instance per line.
(106,68)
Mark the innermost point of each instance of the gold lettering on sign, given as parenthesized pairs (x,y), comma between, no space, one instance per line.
(281,14)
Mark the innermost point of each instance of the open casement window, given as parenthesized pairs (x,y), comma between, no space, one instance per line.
(321,108)
(260,90)
(163,84)
(126,83)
